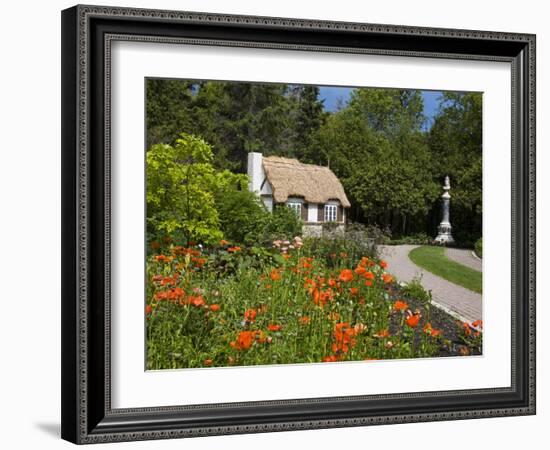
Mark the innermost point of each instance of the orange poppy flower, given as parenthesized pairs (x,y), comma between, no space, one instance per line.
(360,270)
(305,320)
(477,323)
(382,333)
(275,275)
(400,305)
(344,337)
(368,283)
(368,275)
(467,329)
(166,281)
(234,249)
(250,315)
(199,262)
(223,242)
(324,297)
(215,307)
(148,309)
(244,341)
(196,300)
(273,327)
(346,275)
(387,278)
(331,358)
(354,291)
(413,319)
(383,264)
(431,331)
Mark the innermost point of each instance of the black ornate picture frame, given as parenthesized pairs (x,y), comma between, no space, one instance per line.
(87,34)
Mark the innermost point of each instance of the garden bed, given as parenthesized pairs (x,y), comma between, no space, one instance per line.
(295,303)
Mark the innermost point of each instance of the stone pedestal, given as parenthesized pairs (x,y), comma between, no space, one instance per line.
(444,235)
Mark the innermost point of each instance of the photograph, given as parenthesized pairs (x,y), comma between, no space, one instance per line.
(299,224)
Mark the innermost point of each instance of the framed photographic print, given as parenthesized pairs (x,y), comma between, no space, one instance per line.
(282,224)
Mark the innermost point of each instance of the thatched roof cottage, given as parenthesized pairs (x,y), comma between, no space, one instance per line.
(314,192)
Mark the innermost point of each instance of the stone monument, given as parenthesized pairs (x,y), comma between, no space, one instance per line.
(444,236)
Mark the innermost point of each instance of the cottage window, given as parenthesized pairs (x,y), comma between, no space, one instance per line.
(330,213)
(297,207)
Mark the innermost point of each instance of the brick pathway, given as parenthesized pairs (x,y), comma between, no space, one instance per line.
(464,257)
(456,300)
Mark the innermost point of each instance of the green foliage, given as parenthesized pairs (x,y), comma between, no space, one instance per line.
(456,144)
(376,147)
(433,259)
(182,185)
(339,248)
(414,289)
(479,247)
(413,239)
(242,215)
(283,224)
(392,167)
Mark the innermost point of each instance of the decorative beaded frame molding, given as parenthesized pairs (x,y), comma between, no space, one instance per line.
(87,34)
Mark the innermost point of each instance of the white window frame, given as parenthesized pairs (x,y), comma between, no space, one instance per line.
(296,206)
(331,213)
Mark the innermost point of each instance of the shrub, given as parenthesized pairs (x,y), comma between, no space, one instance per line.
(182,185)
(340,248)
(414,289)
(413,239)
(243,216)
(478,247)
(282,223)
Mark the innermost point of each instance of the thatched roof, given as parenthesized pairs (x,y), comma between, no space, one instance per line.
(291,178)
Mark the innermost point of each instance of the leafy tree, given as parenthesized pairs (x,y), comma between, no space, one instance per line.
(182,185)
(455,141)
(168,109)
(376,147)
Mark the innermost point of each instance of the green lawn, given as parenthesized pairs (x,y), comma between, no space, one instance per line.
(433,259)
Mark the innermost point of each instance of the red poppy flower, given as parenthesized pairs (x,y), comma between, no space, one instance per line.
(477,323)
(382,334)
(275,275)
(346,275)
(413,319)
(244,340)
(250,315)
(400,305)
(387,278)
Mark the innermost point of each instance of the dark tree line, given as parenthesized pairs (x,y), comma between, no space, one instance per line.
(391,166)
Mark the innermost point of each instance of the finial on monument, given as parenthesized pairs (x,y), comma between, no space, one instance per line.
(444,236)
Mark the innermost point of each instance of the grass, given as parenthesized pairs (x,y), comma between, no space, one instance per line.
(433,259)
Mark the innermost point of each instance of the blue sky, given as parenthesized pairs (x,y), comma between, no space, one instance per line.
(331,96)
